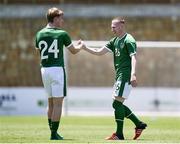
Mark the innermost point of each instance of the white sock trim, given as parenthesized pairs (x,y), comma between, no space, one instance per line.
(129,115)
(119,120)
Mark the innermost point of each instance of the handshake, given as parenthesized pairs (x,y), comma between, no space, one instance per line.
(80,45)
(95,51)
(76,48)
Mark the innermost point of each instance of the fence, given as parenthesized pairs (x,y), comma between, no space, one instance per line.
(95,99)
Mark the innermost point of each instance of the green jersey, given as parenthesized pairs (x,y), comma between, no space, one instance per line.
(122,48)
(51,42)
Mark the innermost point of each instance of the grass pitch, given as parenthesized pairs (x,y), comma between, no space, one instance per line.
(78,129)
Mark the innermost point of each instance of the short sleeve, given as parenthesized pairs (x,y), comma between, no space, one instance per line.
(110,45)
(131,47)
(67,39)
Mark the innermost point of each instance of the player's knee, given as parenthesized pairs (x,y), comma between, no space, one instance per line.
(116,104)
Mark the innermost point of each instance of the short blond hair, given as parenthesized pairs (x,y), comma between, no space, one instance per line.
(52,13)
(119,19)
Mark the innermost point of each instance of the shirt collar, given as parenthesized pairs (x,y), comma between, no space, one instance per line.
(123,36)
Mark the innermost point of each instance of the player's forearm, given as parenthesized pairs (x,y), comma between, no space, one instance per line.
(75,49)
(97,51)
(133,65)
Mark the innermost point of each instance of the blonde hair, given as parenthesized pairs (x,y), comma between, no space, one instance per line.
(119,19)
(52,13)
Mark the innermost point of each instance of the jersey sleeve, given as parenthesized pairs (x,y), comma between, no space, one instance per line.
(131,45)
(67,39)
(110,45)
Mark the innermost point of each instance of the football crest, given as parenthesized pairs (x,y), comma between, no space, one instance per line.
(121,45)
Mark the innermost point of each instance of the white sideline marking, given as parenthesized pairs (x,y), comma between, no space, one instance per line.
(109,113)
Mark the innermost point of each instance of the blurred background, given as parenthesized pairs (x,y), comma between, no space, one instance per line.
(155,24)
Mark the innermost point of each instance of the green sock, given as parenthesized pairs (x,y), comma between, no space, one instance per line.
(49,122)
(119,117)
(131,116)
(54,127)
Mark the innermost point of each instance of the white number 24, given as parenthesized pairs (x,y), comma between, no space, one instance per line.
(53,48)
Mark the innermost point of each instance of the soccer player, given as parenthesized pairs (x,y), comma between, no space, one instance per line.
(123,47)
(50,42)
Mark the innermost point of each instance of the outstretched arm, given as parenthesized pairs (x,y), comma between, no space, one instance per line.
(96,51)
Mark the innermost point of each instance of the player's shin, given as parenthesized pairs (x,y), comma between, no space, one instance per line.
(119,117)
(131,116)
(49,122)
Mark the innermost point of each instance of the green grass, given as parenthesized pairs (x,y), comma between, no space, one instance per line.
(86,130)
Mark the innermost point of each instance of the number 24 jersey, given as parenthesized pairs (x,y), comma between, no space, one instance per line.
(50,42)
